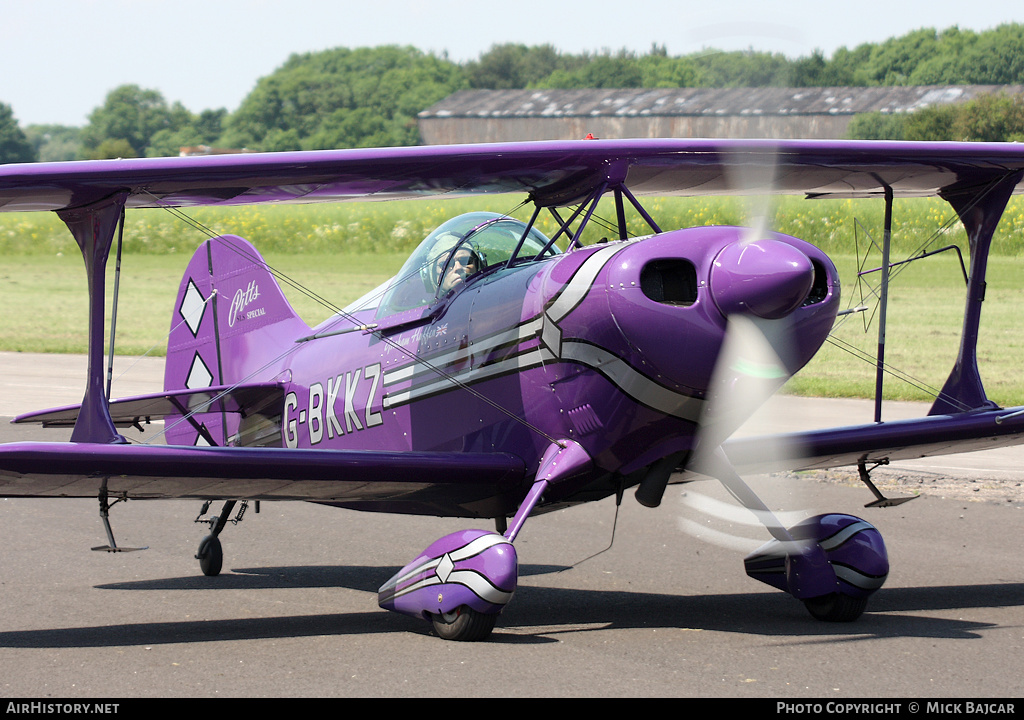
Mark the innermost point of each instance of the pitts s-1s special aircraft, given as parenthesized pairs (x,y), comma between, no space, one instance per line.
(502,373)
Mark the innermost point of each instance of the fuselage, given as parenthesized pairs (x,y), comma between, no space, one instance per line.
(611,346)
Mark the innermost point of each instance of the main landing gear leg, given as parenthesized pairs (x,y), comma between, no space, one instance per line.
(210,554)
(464,580)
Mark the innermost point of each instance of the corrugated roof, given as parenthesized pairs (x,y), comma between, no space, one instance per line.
(703,101)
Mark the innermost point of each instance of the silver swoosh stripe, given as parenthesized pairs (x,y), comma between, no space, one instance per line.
(421,568)
(477,546)
(622,375)
(569,297)
(471,579)
(480,586)
(525,361)
(516,334)
(857,579)
(632,382)
(843,535)
(581,283)
(425,582)
(474,547)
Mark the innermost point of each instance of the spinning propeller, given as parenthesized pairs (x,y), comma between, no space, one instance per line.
(756,282)
(750,369)
(831,562)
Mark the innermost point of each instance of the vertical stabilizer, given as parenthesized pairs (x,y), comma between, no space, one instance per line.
(231,324)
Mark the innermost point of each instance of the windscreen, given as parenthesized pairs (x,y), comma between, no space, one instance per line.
(455,253)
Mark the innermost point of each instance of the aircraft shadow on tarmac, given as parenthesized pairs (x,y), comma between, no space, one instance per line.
(540,614)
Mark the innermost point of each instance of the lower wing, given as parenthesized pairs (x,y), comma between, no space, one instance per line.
(896,440)
(462,484)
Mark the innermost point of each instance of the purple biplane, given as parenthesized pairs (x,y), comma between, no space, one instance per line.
(502,373)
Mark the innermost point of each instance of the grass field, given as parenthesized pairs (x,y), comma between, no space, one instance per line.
(398,226)
(340,251)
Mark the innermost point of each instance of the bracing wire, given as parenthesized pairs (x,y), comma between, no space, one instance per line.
(894,372)
(895,270)
(342,316)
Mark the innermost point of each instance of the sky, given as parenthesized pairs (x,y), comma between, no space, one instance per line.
(59,58)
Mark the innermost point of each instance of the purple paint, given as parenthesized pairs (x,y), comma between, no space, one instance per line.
(830,554)
(471,568)
(517,388)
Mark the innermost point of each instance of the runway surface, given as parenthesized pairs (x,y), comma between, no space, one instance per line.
(666,611)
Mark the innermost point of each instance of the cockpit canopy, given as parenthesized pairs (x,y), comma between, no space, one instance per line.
(458,250)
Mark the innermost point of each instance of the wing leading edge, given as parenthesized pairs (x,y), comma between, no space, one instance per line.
(556,172)
(441,483)
(894,440)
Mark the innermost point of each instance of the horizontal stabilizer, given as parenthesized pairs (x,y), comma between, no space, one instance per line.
(242,399)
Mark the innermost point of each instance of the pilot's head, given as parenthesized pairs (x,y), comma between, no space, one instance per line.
(464,263)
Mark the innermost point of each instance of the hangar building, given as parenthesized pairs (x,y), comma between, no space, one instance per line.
(471,116)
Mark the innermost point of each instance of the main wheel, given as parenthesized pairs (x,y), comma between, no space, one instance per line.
(836,607)
(210,555)
(463,624)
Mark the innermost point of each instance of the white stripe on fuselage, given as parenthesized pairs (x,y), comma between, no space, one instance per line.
(513,336)
(581,282)
(632,382)
(619,372)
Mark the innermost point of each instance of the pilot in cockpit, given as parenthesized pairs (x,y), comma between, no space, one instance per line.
(454,265)
(462,265)
(462,247)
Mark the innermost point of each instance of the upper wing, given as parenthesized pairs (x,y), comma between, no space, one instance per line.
(555,172)
(894,440)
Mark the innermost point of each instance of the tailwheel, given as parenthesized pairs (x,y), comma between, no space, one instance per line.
(836,607)
(464,624)
(210,556)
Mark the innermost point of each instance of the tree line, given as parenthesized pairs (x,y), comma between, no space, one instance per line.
(370,96)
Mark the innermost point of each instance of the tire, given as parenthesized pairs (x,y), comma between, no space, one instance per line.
(211,556)
(464,625)
(836,607)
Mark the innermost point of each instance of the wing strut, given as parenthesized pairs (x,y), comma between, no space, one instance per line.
(980,211)
(93,227)
(883,304)
(113,312)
